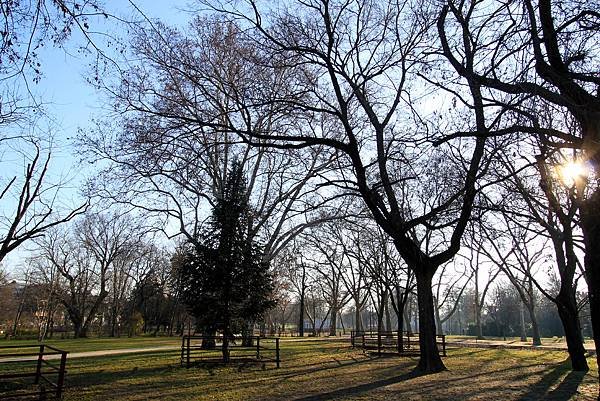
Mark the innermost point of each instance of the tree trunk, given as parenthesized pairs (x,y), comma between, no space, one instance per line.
(429,361)
(590,224)
(357,316)
(247,331)
(76,319)
(567,311)
(225,347)
(380,312)
(83,331)
(400,314)
(522,316)
(388,319)
(208,339)
(79,329)
(17,319)
(20,309)
(314,321)
(407,317)
(113,321)
(535,328)
(478,322)
(333,322)
(478,328)
(438,321)
(301,317)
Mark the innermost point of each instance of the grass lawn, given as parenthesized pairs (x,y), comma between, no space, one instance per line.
(101,343)
(315,369)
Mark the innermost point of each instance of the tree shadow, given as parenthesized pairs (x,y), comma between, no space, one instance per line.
(436,386)
(330,365)
(361,388)
(567,387)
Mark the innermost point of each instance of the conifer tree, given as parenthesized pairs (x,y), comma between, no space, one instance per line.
(226,281)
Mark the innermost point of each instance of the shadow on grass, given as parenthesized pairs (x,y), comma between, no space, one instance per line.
(438,386)
(564,391)
(322,366)
(362,388)
(567,388)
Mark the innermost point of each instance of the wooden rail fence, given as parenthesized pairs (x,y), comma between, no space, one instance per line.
(46,372)
(390,342)
(263,349)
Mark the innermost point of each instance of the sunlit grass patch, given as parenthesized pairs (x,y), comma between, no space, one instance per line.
(315,369)
(101,343)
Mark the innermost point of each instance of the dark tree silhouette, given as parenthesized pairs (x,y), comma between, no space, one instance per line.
(225,279)
(352,66)
(553,62)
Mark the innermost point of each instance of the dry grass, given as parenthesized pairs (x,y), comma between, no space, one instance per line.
(100,343)
(330,370)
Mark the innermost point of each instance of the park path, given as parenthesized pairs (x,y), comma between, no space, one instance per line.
(104,352)
(470,343)
(473,343)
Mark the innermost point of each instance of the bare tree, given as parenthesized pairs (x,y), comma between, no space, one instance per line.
(328,265)
(28,198)
(449,288)
(354,275)
(164,158)
(84,259)
(29,201)
(294,268)
(27,26)
(475,262)
(535,200)
(518,258)
(352,62)
(552,60)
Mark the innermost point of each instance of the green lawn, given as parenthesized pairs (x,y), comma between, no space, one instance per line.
(315,369)
(101,343)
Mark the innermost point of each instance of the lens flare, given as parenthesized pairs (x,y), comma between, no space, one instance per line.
(572,172)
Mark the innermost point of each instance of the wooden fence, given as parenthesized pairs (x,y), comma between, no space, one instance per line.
(386,342)
(263,349)
(44,371)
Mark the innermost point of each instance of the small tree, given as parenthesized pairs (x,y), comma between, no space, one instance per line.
(225,279)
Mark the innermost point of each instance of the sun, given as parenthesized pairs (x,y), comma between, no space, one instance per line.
(572,172)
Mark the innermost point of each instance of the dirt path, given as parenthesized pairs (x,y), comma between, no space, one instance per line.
(473,343)
(469,343)
(91,354)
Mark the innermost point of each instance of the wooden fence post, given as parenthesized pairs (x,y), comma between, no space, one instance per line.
(38,370)
(61,375)
(277,351)
(257,347)
(188,352)
(182,356)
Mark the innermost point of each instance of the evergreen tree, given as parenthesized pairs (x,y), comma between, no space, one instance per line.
(225,281)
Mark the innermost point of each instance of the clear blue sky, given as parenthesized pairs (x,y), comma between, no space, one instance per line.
(70,102)
(69,99)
